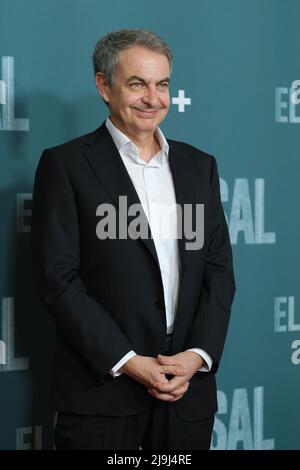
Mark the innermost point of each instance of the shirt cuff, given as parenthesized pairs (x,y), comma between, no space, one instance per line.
(204,356)
(114,371)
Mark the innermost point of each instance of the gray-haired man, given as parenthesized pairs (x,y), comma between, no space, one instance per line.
(141,321)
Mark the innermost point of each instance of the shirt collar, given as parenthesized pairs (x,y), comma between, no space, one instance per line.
(124,144)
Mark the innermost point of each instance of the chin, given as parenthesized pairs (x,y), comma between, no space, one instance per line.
(146,125)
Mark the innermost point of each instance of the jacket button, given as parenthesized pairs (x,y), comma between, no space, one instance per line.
(158,304)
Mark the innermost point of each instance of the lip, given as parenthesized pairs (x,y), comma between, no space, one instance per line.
(147,114)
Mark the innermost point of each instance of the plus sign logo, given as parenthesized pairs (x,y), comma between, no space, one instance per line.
(181,101)
(8,121)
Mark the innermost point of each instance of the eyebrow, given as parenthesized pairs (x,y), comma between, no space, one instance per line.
(135,77)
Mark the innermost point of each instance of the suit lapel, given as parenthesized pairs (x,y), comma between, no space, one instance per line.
(185,191)
(183,180)
(105,159)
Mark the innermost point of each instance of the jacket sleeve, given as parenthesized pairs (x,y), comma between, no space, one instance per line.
(55,246)
(217,292)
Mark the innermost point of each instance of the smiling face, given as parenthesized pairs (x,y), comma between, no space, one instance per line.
(139,95)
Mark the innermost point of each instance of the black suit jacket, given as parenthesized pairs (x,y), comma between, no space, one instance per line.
(106,296)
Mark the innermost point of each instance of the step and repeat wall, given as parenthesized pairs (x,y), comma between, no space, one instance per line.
(235,92)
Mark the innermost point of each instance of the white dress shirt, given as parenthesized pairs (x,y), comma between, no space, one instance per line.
(153,183)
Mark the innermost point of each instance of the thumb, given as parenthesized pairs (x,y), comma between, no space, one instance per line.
(164,359)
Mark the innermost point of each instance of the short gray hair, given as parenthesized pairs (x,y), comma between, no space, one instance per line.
(107,49)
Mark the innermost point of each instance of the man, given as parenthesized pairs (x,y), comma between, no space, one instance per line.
(141,319)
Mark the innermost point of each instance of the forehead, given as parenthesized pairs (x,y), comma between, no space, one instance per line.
(139,60)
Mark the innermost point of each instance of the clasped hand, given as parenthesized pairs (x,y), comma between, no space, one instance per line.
(151,372)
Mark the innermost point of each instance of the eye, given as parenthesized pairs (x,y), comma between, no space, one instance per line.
(136,85)
(163,86)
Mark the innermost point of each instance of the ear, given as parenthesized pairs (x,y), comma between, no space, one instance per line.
(102,86)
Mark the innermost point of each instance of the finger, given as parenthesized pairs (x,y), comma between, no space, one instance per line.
(181,391)
(166,359)
(173,369)
(162,379)
(176,399)
(170,387)
(160,396)
(170,397)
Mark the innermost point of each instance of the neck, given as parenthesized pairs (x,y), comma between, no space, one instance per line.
(146,142)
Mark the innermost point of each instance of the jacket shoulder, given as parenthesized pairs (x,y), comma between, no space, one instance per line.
(68,154)
(188,149)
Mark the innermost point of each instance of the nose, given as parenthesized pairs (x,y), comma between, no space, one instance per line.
(150,96)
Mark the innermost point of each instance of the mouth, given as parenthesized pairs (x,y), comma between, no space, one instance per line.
(147,113)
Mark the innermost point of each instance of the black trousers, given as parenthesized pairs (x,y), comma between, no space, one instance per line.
(157,429)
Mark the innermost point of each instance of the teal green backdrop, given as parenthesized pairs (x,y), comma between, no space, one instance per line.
(236,61)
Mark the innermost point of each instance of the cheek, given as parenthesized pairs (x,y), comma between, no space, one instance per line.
(166,101)
(123,100)
(165,98)
(130,99)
